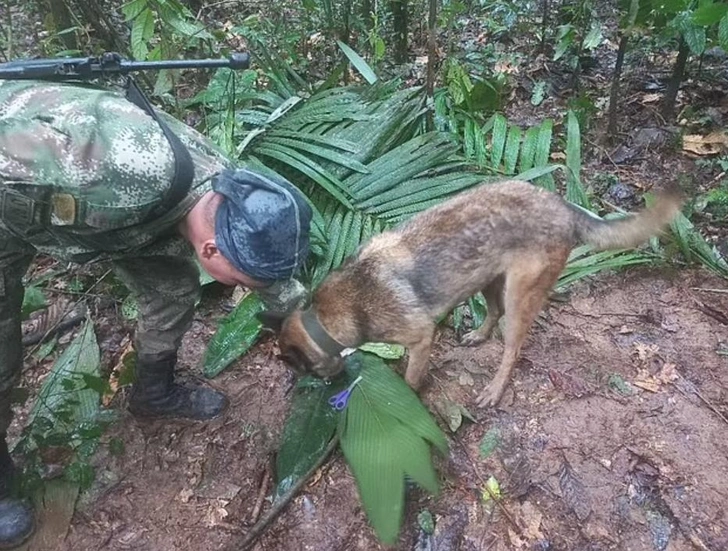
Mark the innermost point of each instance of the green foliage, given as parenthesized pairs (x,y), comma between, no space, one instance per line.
(716,202)
(386,434)
(490,442)
(574,189)
(709,13)
(358,62)
(309,427)
(66,413)
(383,350)
(694,247)
(66,383)
(33,300)
(160,29)
(723,32)
(361,158)
(426,521)
(580,31)
(513,151)
(129,308)
(583,262)
(236,333)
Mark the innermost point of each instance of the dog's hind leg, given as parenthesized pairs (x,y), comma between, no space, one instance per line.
(528,283)
(493,294)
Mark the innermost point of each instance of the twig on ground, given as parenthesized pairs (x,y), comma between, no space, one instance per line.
(704,290)
(261,494)
(703,399)
(709,311)
(257,530)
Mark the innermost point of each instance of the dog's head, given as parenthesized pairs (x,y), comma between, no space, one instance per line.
(298,349)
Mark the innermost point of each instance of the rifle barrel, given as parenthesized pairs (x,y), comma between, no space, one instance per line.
(89,67)
(235,61)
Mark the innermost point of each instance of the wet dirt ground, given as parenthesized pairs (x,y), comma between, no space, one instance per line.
(612,436)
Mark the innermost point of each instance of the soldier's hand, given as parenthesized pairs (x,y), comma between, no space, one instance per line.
(283,297)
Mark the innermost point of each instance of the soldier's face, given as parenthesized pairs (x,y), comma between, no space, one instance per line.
(223,271)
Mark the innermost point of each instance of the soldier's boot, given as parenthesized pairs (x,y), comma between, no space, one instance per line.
(155,394)
(17,521)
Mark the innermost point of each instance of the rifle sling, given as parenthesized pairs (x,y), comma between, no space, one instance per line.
(184,168)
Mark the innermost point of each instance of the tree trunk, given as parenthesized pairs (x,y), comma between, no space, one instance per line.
(614,92)
(61,21)
(97,16)
(399,16)
(544,25)
(431,59)
(366,14)
(678,72)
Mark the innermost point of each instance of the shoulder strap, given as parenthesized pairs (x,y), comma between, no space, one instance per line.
(184,168)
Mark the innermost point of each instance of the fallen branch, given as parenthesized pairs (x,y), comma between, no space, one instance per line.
(65,313)
(66,323)
(257,530)
(709,311)
(692,388)
(261,495)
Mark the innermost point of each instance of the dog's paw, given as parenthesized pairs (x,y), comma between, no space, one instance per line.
(472,338)
(490,396)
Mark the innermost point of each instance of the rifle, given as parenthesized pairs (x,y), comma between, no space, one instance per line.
(81,68)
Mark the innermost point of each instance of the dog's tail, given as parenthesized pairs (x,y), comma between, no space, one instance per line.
(633,229)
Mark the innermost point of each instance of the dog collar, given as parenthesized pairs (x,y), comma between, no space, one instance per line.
(319,335)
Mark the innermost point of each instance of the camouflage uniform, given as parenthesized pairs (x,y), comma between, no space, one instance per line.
(97,165)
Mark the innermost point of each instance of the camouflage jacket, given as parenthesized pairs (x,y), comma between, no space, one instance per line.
(111,156)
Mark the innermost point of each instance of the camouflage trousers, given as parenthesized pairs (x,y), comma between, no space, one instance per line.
(166,289)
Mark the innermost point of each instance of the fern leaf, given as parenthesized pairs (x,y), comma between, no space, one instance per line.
(500,131)
(513,146)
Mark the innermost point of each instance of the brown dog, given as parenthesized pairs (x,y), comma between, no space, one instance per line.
(509,240)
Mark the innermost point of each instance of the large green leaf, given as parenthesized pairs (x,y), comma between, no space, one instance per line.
(574,190)
(310,425)
(65,388)
(710,13)
(583,262)
(386,435)
(541,158)
(500,130)
(513,147)
(723,32)
(366,443)
(236,333)
(132,9)
(141,31)
(694,35)
(358,62)
(528,151)
(33,300)
(693,245)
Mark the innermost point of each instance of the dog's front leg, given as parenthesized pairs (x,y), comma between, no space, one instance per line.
(419,355)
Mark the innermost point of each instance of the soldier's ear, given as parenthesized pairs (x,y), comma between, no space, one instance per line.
(271,320)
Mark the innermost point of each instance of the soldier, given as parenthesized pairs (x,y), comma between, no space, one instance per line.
(88,175)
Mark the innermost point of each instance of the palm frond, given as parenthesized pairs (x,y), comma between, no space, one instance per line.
(360,156)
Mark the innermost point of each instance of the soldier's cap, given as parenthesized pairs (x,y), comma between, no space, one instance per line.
(262,224)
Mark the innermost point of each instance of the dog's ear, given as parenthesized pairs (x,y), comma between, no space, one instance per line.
(271,320)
